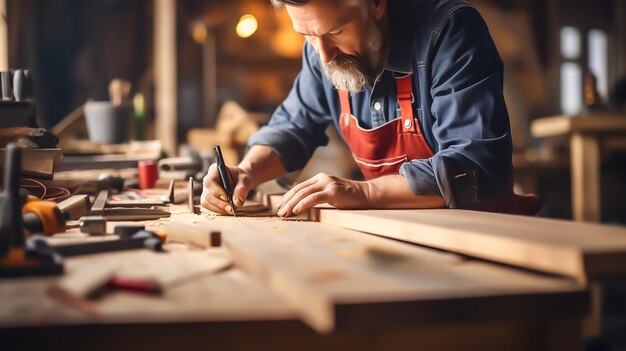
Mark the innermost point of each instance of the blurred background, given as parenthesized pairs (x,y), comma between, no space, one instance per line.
(187,58)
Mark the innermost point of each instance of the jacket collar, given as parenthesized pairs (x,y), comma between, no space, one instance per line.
(399,40)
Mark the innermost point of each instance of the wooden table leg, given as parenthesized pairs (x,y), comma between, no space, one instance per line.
(585,153)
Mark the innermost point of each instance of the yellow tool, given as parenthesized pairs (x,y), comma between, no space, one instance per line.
(19,255)
(42,217)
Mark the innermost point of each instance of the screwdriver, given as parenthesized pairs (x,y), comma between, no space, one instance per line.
(225,177)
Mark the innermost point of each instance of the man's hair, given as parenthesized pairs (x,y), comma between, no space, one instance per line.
(278,4)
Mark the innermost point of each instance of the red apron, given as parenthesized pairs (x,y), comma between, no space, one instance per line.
(384,149)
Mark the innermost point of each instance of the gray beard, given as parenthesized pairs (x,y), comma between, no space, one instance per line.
(347,73)
(344,73)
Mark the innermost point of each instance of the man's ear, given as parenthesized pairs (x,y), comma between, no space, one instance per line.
(380,8)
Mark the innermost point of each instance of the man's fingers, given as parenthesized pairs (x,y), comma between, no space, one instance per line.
(241,190)
(212,184)
(288,195)
(316,198)
(213,203)
(287,209)
(211,206)
(211,175)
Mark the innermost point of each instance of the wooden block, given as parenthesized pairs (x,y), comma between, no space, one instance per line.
(75,206)
(188,234)
(38,163)
(579,250)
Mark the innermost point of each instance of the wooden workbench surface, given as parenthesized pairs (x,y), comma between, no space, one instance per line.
(226,296)
(325,286)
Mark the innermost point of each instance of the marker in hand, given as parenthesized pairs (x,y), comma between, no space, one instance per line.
(225,177)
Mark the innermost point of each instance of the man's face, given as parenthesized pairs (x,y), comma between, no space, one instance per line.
(347,38)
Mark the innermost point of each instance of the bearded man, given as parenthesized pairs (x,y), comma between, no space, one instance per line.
(415,89)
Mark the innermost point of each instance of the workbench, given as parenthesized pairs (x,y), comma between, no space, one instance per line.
(589,133)
(322,285)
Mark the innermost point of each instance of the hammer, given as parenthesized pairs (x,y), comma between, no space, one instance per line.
(141,239)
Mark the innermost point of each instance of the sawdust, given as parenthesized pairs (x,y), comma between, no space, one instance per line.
(327,275)
(338,239)
(351,253)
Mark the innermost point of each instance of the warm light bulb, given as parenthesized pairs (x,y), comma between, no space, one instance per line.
(247,26)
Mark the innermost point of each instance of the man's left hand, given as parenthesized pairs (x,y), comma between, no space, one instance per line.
(323,188)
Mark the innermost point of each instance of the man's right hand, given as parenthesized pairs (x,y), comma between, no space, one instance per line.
(214,197)
(259,165)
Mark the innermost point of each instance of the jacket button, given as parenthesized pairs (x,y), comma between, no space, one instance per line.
(407,124)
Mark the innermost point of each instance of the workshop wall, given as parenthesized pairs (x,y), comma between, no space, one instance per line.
(75,47)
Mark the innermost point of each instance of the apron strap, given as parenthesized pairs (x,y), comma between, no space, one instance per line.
(405,100)
(344,99)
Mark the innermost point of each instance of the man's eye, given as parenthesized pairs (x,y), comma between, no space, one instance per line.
(336,32)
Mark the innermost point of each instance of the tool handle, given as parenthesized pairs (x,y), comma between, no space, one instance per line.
(18,85)
(223,171)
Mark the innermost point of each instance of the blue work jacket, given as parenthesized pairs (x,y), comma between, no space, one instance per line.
(457,81)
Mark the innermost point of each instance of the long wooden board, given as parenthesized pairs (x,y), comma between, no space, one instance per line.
(591,123)
(339,279)
(579,250)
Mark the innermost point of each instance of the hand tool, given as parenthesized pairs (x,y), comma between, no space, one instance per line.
(21,85)
(148,286)
(6,85)
(141,239)
(190,202)
(44,217)
(19,81)
(97,209)
(96,225)
(126,231)
(20,256)
(225,177)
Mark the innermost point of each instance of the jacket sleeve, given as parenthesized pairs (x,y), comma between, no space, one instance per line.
(298,125)
(473,160)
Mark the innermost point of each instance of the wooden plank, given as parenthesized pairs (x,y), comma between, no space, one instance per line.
(339,279)
(134,214)
(38,163)
(165,73)
(580,250)
(4,39)
(97,208)
(585,151)
(586,123)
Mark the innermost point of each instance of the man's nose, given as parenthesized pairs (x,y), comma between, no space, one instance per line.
(327,50)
